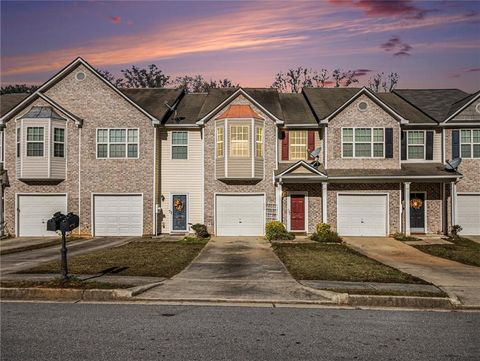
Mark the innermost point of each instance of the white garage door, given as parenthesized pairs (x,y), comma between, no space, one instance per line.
(35,210)
(118,215)
(468,213)
(240,215)
(362,215)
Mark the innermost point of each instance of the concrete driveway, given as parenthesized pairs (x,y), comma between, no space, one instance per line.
(474,238)
(14,262)
(240,269)
(457,279)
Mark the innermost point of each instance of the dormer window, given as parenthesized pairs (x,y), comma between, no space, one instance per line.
(35,141)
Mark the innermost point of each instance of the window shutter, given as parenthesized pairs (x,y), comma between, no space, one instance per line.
(388,142)
(285,145)
(404,145)
(455,144)
(311,142)
(429,145)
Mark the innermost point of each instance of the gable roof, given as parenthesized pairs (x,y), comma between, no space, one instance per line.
(405,109)
(286,168)
(62,73)
(153,99)
(239,111)
(265,98)
(187,110)
(436,103)
(9,101)
(460,105)
(42,112)
(296,110)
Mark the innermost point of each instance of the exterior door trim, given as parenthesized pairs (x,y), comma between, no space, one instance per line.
(187,211)
(424,210)
(305,204)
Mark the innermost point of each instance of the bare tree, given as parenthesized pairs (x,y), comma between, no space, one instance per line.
(321,78)
(293,80)
(350,78)
(198,84)
(107,75)
(135,77)
(386,82)
(375,81)
(18,88)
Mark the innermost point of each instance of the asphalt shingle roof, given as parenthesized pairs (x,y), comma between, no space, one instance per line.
(324,101)
(459,104)
(434,102)
(42,112)
(405,109)
(153,100)
(9,101)
(296,109)
(188,109)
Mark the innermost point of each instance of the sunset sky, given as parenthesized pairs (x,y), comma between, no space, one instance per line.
(430,44)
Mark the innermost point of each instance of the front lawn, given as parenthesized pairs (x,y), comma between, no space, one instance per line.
(372,292)
(60,283)
(142,258)
(462,250)
(336,262)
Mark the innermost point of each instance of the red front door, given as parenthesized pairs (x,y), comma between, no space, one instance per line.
(297,212)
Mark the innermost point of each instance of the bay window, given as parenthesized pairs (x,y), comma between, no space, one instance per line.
(35,141)
(59,142)
(259,142)
(219,142)
(239,141)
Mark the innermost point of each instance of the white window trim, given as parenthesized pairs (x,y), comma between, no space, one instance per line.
(417,145)
(261,142)
(56,142)
(222,127)
(471,143)
(35,141)
(297,145)
(372,142)
(178,145)
(108,143)
(243,141)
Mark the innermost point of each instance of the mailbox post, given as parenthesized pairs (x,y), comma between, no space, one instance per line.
(64,224)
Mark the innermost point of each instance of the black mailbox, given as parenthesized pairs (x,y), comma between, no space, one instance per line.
(53,224)
(69,222)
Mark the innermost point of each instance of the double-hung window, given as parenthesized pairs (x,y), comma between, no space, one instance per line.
(1,146)
(117,143)
(470,143)
(35,141)
(239,143)
(59,142)
(259,142)
(298,144)
(220,142)
(415,144)
(179,145)
(363,142)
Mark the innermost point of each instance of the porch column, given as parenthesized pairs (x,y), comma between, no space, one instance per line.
(278,195)
(406,196)
(324,203)
(453,194)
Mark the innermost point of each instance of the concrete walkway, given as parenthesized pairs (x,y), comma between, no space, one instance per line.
(457,279)
(240,269)
(14,262)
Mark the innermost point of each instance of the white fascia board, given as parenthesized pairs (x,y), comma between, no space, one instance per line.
(462,108)
(195,126)
(453,125)
(399,177)
(365,90)
(65,112)
(295,126)
(233,96)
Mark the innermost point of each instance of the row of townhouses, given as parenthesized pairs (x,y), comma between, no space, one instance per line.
(151,161)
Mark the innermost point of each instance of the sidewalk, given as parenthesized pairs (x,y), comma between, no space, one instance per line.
(458,280)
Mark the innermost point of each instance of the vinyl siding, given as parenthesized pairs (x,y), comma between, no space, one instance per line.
(240,167)
(437,149)
(179,176)
(35,167)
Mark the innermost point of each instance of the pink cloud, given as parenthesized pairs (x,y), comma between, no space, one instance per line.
(397,46)
(116,19)
(404,8)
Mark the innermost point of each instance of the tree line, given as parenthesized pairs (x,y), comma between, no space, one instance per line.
(291,81)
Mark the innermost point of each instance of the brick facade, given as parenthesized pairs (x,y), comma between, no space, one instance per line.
(314,199)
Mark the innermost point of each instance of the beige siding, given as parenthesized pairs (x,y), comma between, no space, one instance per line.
(437,149)
(240,167)
(35,167)
(259,167)
(181,177)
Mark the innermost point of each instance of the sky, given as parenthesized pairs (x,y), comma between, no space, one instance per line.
(431,44)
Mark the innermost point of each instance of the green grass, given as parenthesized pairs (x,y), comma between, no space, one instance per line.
(60,283)
(336,262)
(373,292)
(152,258)
(404,238)
(53,242)
(462,250)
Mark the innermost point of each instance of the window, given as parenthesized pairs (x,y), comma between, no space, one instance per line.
(239,141)
(35,141)
(179,145)
(18,141)
(117,143)
(470,143)
(298,144)
(259,142)
(416,144)
(59,142)
(219,142)
(1,146)
(363,142)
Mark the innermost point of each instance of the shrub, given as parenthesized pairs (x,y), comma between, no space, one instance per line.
(404,238)
(275,231)
(200,230)
(325,234)
(456,229)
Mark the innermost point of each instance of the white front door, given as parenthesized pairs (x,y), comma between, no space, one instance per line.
(35,210)
(362,214)
(118,215)
(240,215)
(468,213)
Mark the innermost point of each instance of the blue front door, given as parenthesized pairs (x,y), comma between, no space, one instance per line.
(179,212)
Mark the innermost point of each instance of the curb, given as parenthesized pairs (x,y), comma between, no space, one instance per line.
(62,294)
(401,301)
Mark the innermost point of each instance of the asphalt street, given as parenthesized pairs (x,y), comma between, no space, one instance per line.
(56,331)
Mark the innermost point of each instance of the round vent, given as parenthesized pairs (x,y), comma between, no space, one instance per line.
(80,76)
(362,106)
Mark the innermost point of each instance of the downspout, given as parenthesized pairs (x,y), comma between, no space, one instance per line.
(80,177)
